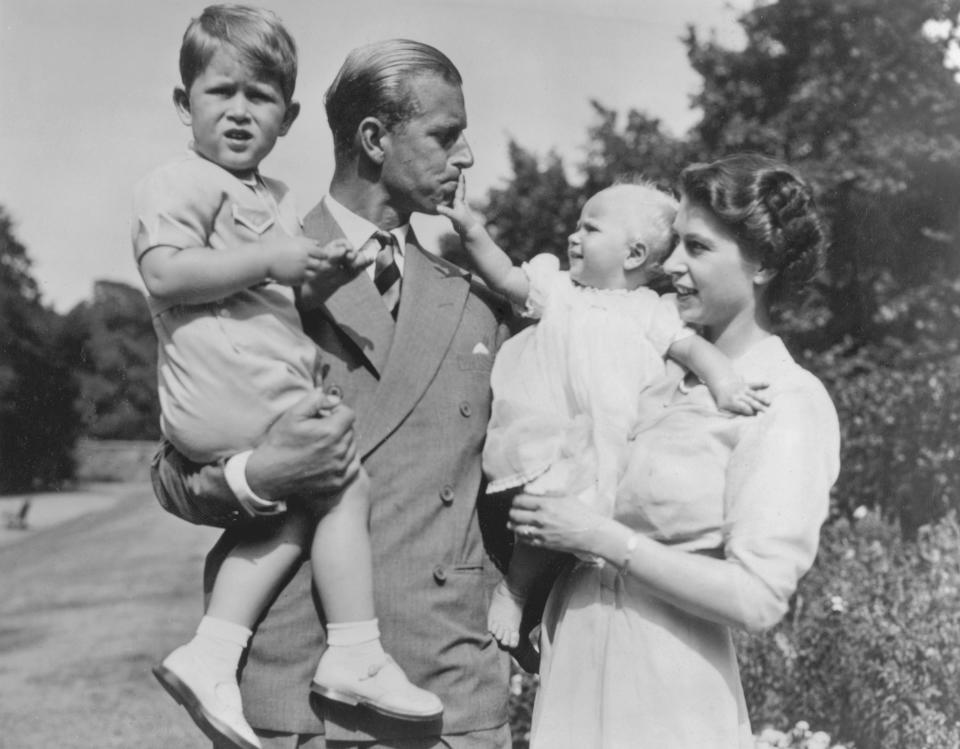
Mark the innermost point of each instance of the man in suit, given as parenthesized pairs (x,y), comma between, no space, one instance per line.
(414,367)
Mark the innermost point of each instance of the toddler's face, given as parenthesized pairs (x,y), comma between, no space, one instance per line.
(236,115)
(600,245)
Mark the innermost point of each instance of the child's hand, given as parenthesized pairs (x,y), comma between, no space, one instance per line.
(741,397)
(289,258)
(460,214)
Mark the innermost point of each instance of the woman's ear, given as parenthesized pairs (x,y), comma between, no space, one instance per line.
(637,255)
(763,276)
(372,133)
(181,100)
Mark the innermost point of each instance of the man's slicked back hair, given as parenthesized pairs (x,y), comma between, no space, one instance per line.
(374,81)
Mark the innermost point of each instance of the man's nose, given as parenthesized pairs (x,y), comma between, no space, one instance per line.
(462,153)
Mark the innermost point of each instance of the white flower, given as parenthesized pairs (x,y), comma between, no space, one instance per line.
(860,513)
(819,740)
(837,605)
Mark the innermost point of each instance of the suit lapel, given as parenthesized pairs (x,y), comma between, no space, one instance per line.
(432,301)
(356,307)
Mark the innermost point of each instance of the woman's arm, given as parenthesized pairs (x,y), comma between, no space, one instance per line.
(777,497)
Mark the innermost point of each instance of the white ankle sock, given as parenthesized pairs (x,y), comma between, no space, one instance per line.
(221,641)
(355,639)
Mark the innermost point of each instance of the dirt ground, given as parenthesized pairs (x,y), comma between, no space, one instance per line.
(89,601)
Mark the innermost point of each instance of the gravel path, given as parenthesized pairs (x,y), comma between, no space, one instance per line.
(86,608)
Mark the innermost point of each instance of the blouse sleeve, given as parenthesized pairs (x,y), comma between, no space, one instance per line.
(776,498)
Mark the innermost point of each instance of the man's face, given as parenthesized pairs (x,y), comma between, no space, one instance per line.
(423,157)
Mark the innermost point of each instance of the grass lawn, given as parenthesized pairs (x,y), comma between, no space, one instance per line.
(87,605)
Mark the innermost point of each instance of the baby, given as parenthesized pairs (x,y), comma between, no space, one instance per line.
(219,248)
(567,391)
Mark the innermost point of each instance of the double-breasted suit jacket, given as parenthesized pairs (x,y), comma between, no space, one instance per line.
(420,388)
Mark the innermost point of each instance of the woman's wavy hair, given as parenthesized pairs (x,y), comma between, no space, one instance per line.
(374,82)
(771,211)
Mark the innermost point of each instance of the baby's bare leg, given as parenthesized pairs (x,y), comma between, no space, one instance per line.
(509,597)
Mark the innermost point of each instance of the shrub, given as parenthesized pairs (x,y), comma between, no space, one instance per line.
(870,651)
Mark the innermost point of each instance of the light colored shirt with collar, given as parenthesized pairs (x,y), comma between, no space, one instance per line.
(357,230)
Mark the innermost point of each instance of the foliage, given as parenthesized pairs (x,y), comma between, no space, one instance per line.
(113,350)
(899,408)
(537,210)
(872,644)
(855,93)
(38,424)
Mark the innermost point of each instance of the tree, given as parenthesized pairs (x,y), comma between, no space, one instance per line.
(113,348)
(855,93)
(38,424)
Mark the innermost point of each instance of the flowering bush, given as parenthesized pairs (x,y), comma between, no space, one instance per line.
(871,648)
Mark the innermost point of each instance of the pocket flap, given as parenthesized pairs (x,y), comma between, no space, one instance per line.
(256,221)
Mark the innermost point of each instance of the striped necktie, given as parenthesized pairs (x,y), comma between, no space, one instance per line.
(386,274)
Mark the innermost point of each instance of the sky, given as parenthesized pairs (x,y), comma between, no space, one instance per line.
(86,108)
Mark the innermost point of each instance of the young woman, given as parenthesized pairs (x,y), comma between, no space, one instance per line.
(717,515)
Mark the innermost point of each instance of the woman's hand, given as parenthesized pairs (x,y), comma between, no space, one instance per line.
(558,523)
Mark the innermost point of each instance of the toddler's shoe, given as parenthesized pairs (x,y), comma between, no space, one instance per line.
(213,702)
(382,686)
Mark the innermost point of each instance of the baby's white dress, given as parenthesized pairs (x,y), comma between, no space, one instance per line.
(568,390)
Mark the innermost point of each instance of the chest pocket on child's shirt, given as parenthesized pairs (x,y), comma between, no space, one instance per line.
(256,221)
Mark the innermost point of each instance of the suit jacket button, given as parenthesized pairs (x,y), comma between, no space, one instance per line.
(465,409)
(440,575)
(334,390)
(447,494)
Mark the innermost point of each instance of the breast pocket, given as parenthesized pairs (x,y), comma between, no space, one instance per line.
(255,221)
(475,362)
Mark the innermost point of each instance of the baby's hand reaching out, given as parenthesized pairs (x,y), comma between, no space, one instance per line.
(460,214)
(739,397)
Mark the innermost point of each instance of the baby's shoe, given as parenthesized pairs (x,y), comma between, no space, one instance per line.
(382,686)
(212,701)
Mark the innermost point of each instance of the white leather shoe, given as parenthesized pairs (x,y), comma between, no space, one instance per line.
(213,703)
(382,687)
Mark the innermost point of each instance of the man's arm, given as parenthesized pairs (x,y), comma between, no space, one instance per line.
(307,456)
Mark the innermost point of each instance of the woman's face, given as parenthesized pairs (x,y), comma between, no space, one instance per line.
(714,281)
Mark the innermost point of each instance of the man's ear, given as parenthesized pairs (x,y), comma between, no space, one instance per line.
(637,256)
(372,134)
(293,110)
(763,276)
(181,100)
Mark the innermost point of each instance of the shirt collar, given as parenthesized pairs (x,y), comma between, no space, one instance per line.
(356,229)
(253,181)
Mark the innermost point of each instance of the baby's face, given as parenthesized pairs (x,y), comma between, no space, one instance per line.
(236,115)
(600,245)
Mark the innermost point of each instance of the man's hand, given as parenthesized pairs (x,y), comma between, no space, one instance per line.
(308,454)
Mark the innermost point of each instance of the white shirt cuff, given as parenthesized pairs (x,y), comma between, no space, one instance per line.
(235,473)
